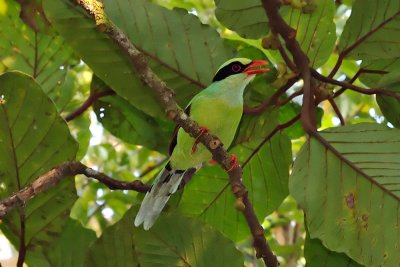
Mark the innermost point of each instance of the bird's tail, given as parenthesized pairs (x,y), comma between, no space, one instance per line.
(166,183)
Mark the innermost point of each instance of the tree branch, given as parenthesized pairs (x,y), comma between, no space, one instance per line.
(54,176)
(89,101)
(279,26)
(365,91)
(166,98)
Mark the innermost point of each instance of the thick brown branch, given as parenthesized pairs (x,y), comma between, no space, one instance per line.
(54,176)
(166,99)
(89,101)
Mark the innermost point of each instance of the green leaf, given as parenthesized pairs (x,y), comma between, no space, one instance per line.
(173,241)
(388,80)
(315,31)
(71,248)
(317,255)
(33,139)
(182,51)
(248,19)
(371,30)
(44,56)
(129,123)
(351,202)
(208,195)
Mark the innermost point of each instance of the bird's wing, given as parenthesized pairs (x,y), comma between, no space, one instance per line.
(174,138)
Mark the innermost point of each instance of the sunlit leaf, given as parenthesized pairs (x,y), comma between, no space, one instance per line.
(371,31)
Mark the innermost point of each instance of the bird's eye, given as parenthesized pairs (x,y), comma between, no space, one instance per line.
(236,67)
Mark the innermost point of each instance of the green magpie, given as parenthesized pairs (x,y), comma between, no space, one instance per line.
(218,109)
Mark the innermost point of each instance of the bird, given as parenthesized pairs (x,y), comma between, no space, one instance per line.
(217,109)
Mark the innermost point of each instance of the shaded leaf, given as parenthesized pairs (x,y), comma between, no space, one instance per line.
(351,202)
(371,32)
(317,255)
(201,51)
(173,241)
(129,123)
(33,139)
(71,248)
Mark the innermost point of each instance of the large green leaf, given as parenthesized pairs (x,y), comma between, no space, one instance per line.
(248,18)
(33,139)
(317,255)
(208,195)
(351,202)
(129,123)
(371,30)
(181,50)
(71,248)
(173,241)
(44,56)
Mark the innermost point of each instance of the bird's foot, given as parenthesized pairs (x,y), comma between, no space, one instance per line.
(234,162)
(203,130)
(212,162)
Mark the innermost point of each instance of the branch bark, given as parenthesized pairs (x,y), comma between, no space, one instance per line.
(54,176)
(174,112)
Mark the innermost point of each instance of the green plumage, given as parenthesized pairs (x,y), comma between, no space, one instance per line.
(219,108)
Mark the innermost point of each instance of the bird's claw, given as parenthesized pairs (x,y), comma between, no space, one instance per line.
(234,162)
(203,130)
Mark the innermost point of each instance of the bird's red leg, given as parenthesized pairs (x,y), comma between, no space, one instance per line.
(234,162)
(197,141)
(212,162)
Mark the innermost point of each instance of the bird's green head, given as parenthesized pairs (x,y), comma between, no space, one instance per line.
(242,66)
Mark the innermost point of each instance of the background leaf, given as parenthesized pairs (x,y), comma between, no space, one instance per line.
(317,255)
(33,139)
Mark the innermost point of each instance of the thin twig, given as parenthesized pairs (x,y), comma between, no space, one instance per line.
(337,110)
(287,60)
(289,98)
(54,176)
(88,102)
(270,101)
(355,77)
(365,91)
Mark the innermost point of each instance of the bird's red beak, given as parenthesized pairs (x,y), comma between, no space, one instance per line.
(251,69)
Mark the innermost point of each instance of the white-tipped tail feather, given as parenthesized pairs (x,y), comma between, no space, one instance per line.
(166,183)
